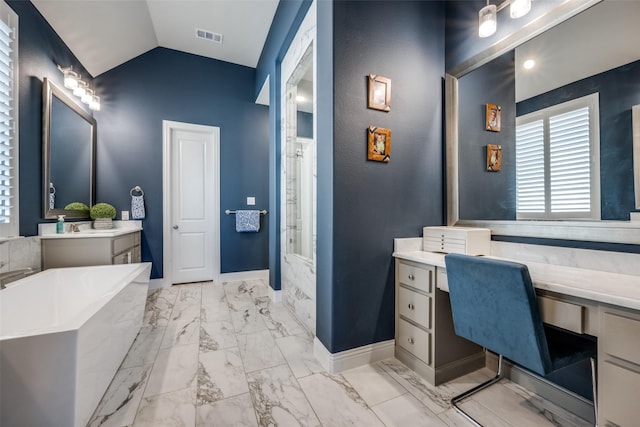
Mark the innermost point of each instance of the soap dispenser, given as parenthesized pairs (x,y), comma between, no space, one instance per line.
(60,224)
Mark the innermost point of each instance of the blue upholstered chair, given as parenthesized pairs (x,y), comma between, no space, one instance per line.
(494,305)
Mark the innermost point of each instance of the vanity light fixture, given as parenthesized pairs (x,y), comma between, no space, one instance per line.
(488,15)
(80,88)
(529,64)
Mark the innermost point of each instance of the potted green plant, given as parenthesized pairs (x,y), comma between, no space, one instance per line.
(102,215)
(77,206)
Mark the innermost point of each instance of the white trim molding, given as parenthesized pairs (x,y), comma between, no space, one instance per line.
(245,275)
(343,360)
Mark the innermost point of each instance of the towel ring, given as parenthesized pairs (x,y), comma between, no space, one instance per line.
(138,189)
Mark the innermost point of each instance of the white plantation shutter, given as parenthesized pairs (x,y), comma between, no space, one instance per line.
(557,166)
(8,122)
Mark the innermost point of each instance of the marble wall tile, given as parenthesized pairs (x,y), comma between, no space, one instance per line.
(302,306)
(25,253)
(406,410)
(373,384)
(4,256)
(259,351)
(233,412)
(220,375)
(176,409)
(176,368)
(278,399)
(121,400)
(217,336)
(298,351)
(336,403)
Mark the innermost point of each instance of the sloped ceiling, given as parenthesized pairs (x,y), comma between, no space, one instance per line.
(106,33)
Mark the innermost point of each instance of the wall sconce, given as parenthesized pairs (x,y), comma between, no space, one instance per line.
(488,15)
(80,88)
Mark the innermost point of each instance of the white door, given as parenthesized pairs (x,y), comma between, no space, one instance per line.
(194,231)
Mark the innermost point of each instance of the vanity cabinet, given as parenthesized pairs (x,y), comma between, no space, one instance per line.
(85,251)
(425,339)
(618,367)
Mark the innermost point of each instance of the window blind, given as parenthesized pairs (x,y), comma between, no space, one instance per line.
(8,112)
(557,172)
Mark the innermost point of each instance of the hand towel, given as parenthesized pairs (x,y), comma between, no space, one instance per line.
(248,221)
(137,205)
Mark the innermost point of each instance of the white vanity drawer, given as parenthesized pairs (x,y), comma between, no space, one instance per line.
(414,306)
(619,393)
(416,277)
(620,337)
(123,243)
(414,340)
(562,314)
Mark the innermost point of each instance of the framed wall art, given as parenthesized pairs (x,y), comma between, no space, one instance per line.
(379,93)
(492,117)
(378,144)
(494,157)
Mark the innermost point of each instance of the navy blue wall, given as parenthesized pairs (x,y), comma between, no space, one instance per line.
(164,84)
(374,202)
(40,51)
(487,195)
(619,91)
(284,26)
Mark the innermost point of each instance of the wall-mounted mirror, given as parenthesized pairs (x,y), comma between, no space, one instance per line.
(590,53)
(68,149)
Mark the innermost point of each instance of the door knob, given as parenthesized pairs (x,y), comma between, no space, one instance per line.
(175,227)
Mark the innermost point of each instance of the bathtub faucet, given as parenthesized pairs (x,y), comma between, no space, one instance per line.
(10,276)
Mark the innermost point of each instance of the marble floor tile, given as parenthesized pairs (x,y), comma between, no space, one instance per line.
(259,351)
(452,418)
(120,403)
(247,320)
(373,384)
(213,293)
(176,409)
(405,411)
(278,399)
(336,403)
(280,321)
(145,347)
(183,328)
(189,294)
(242,294)
(217,336)
(159,307)
(213,310)
(220,375)
(298,351)
(176,368)
(233,412)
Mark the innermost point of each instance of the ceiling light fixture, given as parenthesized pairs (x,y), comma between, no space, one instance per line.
(529,64)
(80,88)
(488,15)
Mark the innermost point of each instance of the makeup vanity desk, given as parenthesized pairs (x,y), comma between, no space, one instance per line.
(602,304)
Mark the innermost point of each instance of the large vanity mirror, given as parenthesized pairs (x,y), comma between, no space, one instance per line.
(69,141)
(587,57)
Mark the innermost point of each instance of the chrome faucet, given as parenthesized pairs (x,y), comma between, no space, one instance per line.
(74,228)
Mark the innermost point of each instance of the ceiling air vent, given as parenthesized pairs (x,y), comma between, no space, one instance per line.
(209,35)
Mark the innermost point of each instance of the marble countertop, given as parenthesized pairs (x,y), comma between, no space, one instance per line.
(120,228)
(610,288)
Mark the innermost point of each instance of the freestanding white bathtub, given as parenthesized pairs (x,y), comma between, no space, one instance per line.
(63,334)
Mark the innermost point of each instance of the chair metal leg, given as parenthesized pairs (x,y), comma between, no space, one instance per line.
(594,384)
(474,390)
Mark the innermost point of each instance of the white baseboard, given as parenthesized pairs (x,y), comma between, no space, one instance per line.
(159,283)
(276,296)
(338,362)
(245,275)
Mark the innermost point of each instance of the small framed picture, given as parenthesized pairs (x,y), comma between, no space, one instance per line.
(493,116)
(379,93)
(494,157)
(378,144)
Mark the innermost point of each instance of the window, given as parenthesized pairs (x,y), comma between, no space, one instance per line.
(8,121)
(557,161)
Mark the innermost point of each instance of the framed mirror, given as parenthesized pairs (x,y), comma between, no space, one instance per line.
(68,155)
(477,197)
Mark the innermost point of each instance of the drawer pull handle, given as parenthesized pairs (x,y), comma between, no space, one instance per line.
(410,340)
(411,277)
(411,307)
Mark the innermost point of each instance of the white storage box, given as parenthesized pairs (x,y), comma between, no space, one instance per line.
(460,240)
